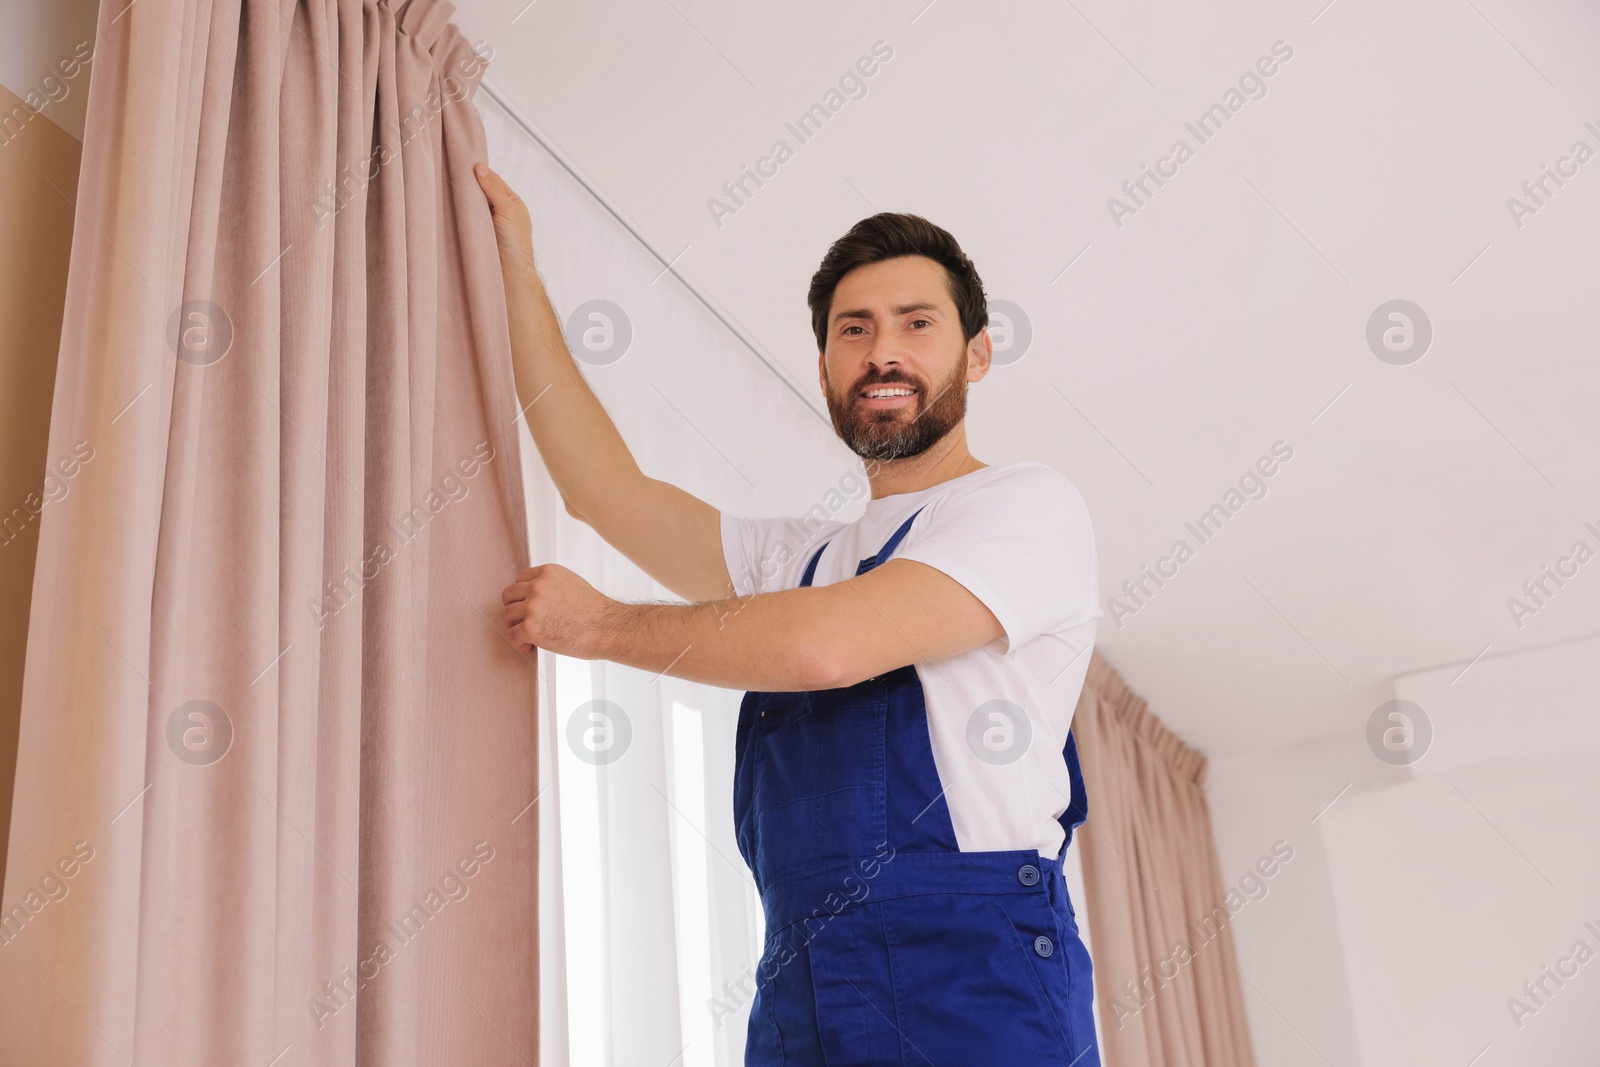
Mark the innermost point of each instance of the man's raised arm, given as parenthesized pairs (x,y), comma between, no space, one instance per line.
(673,536)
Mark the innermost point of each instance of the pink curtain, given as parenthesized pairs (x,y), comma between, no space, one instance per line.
(1166,975)
(277,762)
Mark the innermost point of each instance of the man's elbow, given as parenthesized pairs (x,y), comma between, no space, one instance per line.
(836,668)
(824,669)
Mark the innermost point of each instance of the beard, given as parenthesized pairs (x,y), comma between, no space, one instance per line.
(902,433)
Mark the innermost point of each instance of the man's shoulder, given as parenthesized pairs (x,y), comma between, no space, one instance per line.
(1028,502)
(1026,482)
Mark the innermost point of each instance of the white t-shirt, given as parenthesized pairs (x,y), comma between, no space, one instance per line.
(1018,538)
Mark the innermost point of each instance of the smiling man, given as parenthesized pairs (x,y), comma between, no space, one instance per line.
(905,782)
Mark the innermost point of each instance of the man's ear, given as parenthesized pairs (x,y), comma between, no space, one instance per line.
(822,371)
(980,355)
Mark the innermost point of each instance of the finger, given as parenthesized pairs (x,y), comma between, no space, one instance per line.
(501,196)
(492,185)
(485,178)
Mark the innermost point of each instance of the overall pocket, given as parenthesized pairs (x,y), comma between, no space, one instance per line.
(967,985)
(817,780)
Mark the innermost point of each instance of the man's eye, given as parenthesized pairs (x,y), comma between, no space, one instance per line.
(915,321)
(847,329)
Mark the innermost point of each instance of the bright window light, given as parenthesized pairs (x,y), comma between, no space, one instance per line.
(691,885)
(583,875)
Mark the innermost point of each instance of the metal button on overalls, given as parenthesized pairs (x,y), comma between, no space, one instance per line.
(886,944)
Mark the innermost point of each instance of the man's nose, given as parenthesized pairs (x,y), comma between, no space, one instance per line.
(883,354)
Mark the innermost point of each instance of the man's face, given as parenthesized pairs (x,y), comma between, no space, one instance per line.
(896,368)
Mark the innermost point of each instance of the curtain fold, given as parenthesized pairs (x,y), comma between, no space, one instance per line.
(277,763)
(1166,974)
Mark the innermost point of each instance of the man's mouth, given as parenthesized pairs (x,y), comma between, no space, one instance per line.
(887,396)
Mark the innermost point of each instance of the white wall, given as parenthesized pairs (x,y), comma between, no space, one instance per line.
(1425,896)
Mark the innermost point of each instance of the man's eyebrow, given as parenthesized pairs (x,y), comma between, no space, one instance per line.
(904,309)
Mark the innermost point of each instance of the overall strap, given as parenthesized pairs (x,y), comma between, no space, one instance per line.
(811,568)
(871,561)
(1078,806)
(888,546)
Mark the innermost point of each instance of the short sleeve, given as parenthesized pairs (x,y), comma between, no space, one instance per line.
(740,550)
(761,554)
(1022,544)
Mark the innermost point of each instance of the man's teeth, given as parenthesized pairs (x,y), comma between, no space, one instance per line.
(895,391)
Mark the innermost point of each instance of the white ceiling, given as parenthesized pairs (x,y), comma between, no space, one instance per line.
(1228,313)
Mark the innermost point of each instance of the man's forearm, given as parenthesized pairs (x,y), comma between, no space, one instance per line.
(792,640)
(577,440)
(671,535)
(770,642)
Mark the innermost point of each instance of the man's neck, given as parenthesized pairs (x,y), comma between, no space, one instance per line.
(945,460)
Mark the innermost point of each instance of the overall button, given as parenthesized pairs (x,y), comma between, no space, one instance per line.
(1028,874)
(1043,946)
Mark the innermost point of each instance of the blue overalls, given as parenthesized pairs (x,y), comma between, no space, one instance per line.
(886,944)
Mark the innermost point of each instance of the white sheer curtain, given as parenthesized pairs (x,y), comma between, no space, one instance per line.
(649,918)
(651,928)
(642,876)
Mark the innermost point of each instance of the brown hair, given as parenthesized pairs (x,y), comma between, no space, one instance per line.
(887,235)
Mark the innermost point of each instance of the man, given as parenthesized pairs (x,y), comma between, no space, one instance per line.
(905,784)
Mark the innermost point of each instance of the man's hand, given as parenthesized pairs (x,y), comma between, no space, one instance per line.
(549,607)
(513,230)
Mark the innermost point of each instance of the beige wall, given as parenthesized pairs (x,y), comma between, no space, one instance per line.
(36,35)
(36,221)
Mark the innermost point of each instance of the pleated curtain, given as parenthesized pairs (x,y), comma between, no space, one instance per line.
(277,783)
(1166,973)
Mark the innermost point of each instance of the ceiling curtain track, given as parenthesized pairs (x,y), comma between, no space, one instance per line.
(276,756)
